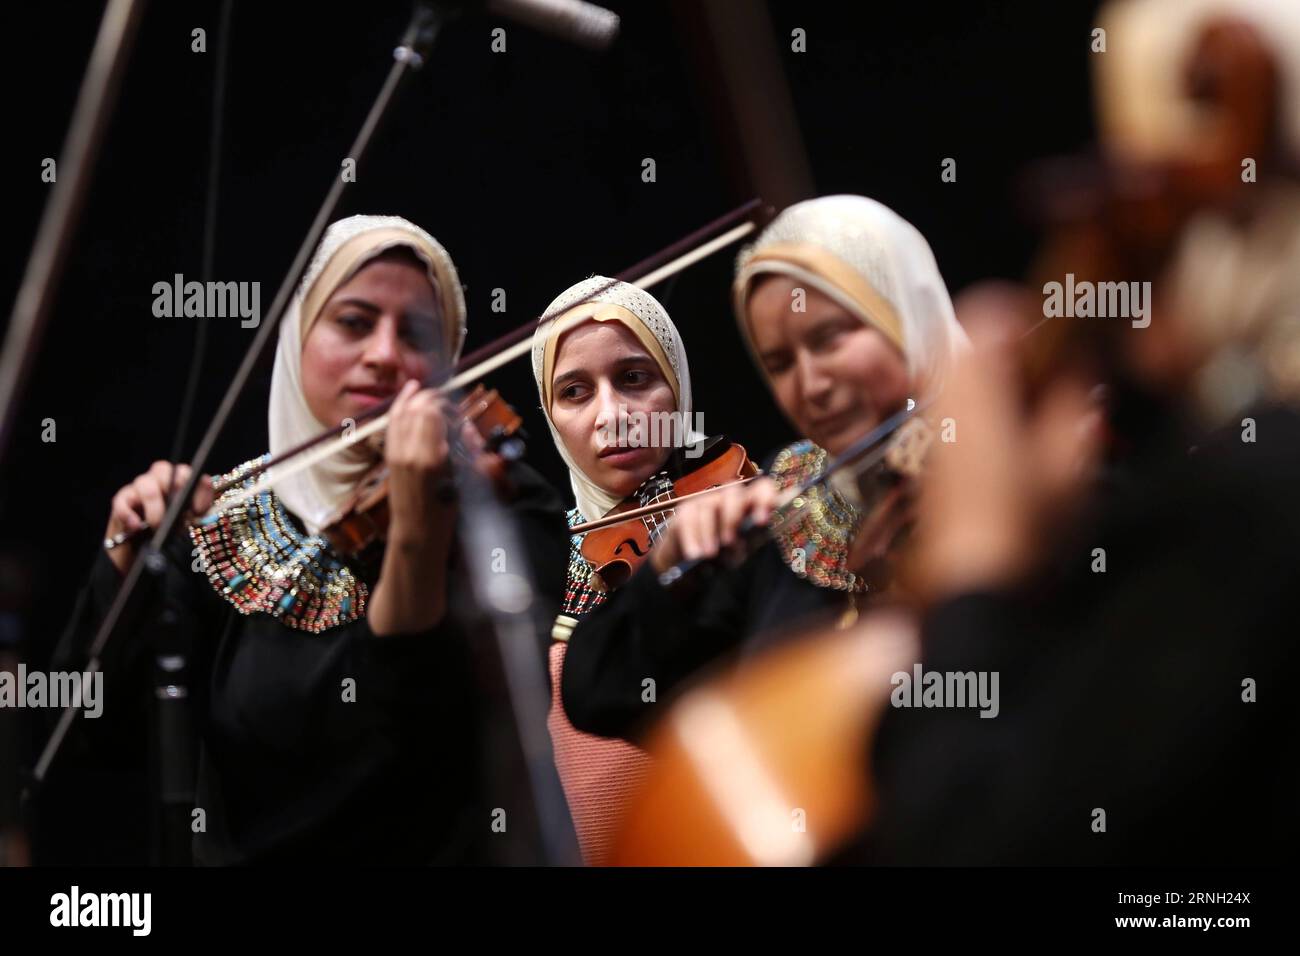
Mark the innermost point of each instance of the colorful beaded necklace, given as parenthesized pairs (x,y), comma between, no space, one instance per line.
(580,597)
(583,591)
(258,559)
(814,541)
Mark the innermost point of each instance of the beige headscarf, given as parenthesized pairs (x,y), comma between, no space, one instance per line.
(1144,108)
(1234,281)
(871,261)
(314,494)
(642,314)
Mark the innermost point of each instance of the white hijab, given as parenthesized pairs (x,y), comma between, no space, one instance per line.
(871,261)
(642,314)
(316,493)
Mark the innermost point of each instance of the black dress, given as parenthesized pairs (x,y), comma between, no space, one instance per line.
(340,745)
(1124,690)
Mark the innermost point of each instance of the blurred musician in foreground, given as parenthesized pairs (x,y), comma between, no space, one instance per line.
(1143,634)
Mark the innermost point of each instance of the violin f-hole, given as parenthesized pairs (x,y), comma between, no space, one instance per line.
(631,543)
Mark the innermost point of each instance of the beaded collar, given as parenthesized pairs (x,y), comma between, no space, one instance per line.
(580,598)
(815,543)
(258,559)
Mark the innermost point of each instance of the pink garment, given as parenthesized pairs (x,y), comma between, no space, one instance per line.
(599,774)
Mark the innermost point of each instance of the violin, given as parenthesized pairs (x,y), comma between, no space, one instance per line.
(470,369)
(615,550)
(890,454)
(363,518)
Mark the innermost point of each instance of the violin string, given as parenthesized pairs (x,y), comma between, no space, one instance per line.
(659,519)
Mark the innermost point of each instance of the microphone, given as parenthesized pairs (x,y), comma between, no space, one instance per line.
(579,22)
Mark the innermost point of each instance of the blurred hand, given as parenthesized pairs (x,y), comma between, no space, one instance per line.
(892,514)
(989,497)
(487,463)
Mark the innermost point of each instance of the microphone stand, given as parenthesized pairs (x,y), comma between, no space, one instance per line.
(511,605)
(173,750)
(13,840)
(507,598)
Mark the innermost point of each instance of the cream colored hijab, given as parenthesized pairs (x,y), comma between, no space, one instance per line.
(314,494)
(872,262)
(1234,282)
(1144,108)
(642,314)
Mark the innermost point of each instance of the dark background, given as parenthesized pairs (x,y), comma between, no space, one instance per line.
(526,165)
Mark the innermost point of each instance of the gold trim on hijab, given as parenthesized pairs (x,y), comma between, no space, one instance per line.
(357,252)
(604,312)
(869,304)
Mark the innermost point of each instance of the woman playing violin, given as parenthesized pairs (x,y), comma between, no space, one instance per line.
(601,380)
(339,714)
(842,307)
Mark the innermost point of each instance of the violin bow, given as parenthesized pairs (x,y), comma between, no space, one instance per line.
(668,262)
(660,507)
(861,455)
